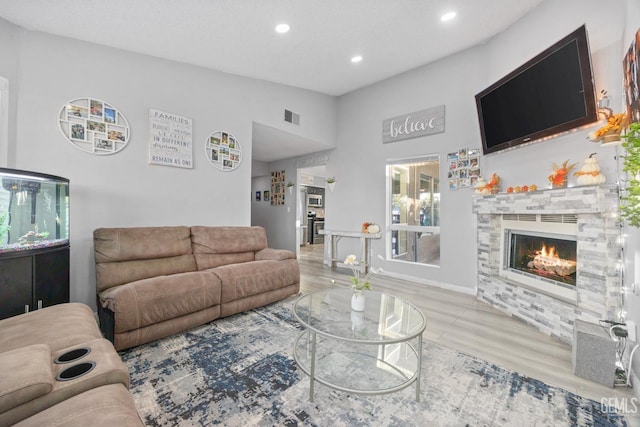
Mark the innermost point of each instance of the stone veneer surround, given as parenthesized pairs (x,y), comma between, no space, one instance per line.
(598,256)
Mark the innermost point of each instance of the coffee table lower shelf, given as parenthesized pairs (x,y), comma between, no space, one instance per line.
(358,367)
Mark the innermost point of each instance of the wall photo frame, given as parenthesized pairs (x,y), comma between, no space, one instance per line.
(223,150)
(277,188)
(94,126)
(631,67)
(463,168)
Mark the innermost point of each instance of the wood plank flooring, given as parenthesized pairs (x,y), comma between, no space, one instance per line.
(473,327)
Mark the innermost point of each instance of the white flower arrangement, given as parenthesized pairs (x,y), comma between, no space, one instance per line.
(360,283)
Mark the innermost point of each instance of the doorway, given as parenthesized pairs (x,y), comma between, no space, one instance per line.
(311,212)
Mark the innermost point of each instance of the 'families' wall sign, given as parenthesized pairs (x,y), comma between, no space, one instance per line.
(170,139)
(413,125)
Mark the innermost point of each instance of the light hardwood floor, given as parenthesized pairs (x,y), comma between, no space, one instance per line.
(473,327)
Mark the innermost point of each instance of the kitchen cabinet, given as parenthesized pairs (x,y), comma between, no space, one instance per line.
(33,280)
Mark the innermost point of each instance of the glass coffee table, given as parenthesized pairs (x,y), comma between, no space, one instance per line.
(376,351)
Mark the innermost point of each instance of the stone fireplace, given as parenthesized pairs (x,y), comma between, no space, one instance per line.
(550,257)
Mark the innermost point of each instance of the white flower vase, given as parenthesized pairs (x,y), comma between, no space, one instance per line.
(357,301)
(357,320)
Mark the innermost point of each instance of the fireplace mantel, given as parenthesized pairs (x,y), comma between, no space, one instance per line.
(572,200)
(598,247)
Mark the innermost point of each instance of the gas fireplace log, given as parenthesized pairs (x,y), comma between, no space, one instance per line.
(561,267)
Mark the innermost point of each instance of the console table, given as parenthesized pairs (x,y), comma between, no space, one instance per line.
(331,250)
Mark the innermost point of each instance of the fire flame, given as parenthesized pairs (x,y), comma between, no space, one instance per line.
(551,252)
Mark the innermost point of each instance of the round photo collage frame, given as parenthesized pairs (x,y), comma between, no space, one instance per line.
(223,151)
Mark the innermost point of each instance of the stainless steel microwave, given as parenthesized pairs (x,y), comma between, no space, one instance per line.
(314,200)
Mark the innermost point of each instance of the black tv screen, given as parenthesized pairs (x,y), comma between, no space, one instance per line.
(551,93)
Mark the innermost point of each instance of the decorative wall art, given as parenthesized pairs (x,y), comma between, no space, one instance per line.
(265,195)
(170,139)
(223,151)
(94,126)
(413,125)
(277,188)
(632,79)
(464,168)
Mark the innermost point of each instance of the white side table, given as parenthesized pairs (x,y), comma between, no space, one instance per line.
(331,250)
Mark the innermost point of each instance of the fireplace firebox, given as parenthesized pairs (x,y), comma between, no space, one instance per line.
(541,253)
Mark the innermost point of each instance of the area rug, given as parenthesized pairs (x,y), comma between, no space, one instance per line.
(240,371)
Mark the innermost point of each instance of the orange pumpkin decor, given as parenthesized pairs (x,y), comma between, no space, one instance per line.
(523,189)
(559,176)
(491,187)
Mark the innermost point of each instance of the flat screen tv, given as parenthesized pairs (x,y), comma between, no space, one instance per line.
(551,93)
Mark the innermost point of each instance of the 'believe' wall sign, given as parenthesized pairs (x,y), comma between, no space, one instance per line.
(413,125)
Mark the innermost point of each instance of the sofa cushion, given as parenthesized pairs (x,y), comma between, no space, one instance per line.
(274,254)
(126,244)
(215,246)
(251,278)
(58,326)
(124,255)
(109,405)
(26,374)
(110,274)
(148,301)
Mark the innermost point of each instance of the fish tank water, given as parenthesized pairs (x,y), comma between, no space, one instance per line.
(34,211)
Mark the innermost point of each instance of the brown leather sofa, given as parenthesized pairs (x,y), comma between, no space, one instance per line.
(56,369)
(153,282)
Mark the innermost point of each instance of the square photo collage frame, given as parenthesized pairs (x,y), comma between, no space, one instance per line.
(463,168)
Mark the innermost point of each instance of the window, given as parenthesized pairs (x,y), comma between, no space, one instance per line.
(414,205)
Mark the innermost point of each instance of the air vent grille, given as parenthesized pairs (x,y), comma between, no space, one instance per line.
(559,218)
(291,117)
(520,217)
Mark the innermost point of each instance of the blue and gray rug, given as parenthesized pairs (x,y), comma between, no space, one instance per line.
(240,371)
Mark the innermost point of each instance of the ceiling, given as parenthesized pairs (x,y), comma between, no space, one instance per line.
(274,144)
(238,36)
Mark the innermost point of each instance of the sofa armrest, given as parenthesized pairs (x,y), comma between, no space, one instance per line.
(274,254)
(26,374)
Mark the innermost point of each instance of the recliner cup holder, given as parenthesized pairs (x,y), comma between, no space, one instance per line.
(72,355)
(75,371)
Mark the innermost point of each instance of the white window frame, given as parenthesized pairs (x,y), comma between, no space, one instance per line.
(389,216)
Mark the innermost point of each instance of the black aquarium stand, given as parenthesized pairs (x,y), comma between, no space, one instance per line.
(33,279)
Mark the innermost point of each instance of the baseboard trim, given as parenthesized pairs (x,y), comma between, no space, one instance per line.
(447,286)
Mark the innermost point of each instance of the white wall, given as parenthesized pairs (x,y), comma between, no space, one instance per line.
(359,161)
(123,189)
(9,45)
(278,220)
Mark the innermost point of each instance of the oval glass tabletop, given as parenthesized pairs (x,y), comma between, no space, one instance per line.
(386,318)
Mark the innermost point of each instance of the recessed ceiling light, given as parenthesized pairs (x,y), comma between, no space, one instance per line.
(282,28)
(356,59)
(448,16)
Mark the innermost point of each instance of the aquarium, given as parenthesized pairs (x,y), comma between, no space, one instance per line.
(34,211)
